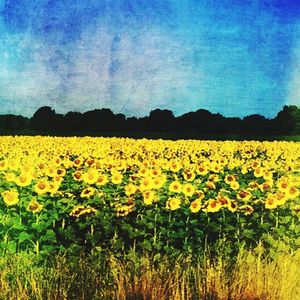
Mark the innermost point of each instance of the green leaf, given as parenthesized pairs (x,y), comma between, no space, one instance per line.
(296,229)
(297,242)
(19,226)
(49,236)
(23,236)
(11,246)
(266,226)
(146,245)
(248,233)
(150,225)
(194,222)
(285,220)
(271,241)
(157,246)
(157,257)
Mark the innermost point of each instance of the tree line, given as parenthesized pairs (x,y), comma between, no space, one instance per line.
(286,122)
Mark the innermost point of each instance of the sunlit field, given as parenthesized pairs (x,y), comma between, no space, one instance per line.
(117,218)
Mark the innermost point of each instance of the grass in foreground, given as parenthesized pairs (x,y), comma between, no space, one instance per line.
(252,276)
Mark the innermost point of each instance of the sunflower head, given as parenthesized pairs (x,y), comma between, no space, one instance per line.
(34,206)
(10,197)
(195,206)
(173,203)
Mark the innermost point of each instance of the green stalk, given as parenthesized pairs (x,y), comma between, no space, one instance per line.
(168,232)
(186,230)
(238,227)
(155,228)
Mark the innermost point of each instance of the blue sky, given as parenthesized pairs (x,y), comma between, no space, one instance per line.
(232,57)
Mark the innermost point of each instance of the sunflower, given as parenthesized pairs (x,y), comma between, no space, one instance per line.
(244,195)
(266,186)
(34,206)
(216,168)
(76,210)
(52,187)
(268,175)
(195,206)
(292,192)
(244,169)
(143,172)
(61,172)
(212,206)
(229,179)
(189,175)
(234,185)
(175,166)
(258,172)
(91,176)
(253,185)
(10,177)
(173,203)
(175,187)
(102,180)
(155,172)
(210,185)
(214,178)
(200,195)
(159,181)
(10,197)
(149,197)
(130,189)
(51,171)
(188,189)
(246,209)
(77,162)
(283,185)
(87,192)
(146,184)
(124,210)
(201,170)
(41,187)
(232,206)
(223,200)
(281,198)
(296,210)
(271,202)
(77,176)
(24,179)
(116,178)
(3,165)
(87,211)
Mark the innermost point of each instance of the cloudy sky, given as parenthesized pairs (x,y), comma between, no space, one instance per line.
(233,57)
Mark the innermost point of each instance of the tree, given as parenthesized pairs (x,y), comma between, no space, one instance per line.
(44,118)
(287,120)
(98,119)
(255,124)
(161,120)
(73,120)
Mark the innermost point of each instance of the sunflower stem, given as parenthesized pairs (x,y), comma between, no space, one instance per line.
(155,228)
(238,227)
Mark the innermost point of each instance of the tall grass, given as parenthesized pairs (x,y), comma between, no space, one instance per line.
(251,275)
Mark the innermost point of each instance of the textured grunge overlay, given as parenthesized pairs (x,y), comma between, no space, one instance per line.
(231,57)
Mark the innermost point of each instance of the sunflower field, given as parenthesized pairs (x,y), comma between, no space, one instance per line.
(147,196)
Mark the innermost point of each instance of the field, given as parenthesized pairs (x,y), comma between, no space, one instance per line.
(120,218)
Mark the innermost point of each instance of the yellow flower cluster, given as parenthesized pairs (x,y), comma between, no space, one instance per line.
(80,210)
(199,175)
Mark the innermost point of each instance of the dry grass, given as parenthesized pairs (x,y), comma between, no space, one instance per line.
(250,277)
